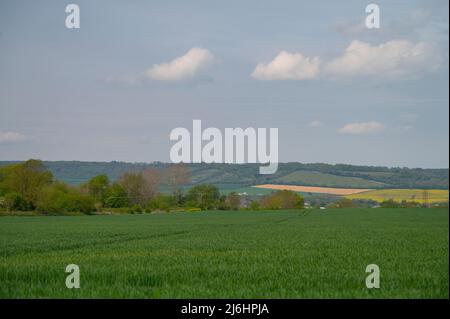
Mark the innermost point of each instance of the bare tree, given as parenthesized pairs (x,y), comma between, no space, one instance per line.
(140,186)
(177,175)
(152,179)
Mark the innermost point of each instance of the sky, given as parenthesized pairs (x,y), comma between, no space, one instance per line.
(115,88)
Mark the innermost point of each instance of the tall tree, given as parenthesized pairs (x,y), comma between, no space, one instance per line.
(152,179)
(98,186)
(28,179)
(177,175)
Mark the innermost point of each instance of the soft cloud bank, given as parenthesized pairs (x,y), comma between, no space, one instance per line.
(185,67)
(11,137)
(393,59)
(362,128)
(288,66)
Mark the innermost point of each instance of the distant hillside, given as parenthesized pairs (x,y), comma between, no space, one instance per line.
(233,175)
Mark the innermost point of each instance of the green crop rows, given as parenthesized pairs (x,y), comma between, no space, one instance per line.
(282,254)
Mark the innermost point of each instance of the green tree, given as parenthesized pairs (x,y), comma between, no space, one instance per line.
(15,202)
(98,187)
(282,199)
(203,196)
(116,197)
(61,198)
(28,179)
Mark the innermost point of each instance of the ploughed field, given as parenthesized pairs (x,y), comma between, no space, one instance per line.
(279,254)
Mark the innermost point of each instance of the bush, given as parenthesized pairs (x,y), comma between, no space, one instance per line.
(136,208)
(283,199)
(390,203)
(203,196)
(254,205)
(15,201)
(60,198)
(162,202)
(116,197)
(344,203)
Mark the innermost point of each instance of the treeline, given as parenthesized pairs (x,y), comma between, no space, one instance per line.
(75,172)
(388,203)
(29,186)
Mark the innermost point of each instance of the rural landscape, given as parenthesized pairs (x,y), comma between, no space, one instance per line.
(232,150)
(149,231)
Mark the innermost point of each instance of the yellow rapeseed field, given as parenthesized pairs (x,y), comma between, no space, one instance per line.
(434,195)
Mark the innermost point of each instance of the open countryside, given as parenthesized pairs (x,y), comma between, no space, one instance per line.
(160,232)
(229,254)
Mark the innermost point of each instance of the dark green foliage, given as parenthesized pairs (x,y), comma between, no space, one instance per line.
(390,203)
(116,197)
(15,202)
(203,196)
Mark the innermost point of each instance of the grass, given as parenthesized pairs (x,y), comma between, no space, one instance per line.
(280,254)
(312,178)
(434,195)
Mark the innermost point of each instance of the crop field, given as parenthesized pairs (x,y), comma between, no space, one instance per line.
(434,195)
(314,189)
(279,254)
(327,180)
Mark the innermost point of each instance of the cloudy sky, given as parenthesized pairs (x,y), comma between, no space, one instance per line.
(115,88)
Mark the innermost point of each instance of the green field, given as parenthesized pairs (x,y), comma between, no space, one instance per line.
(280,254)
(311,178)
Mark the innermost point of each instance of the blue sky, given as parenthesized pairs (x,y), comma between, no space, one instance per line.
(115,88)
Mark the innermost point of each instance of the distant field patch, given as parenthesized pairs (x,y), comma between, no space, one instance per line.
(313,178)
(417,195)
(314,189)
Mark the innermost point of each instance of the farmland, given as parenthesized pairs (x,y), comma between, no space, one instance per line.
(280,254)
(434,195)
(314,189)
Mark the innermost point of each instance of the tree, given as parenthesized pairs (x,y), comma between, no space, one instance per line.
(344,203)
(282,199)
(27,179)
(133,184)
(98,187)
(61,198)
(140,187)
(177,175)
(14,201)
(390,203)
(233,201)
(203,196)
(152,179)
(116,197)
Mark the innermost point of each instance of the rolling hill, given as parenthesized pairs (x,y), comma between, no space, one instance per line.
(232,176)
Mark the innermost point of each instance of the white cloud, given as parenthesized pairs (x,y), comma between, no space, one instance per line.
(315,124)
(392,59)
(11,137)
(288,66)
(184,67)
(362,128)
